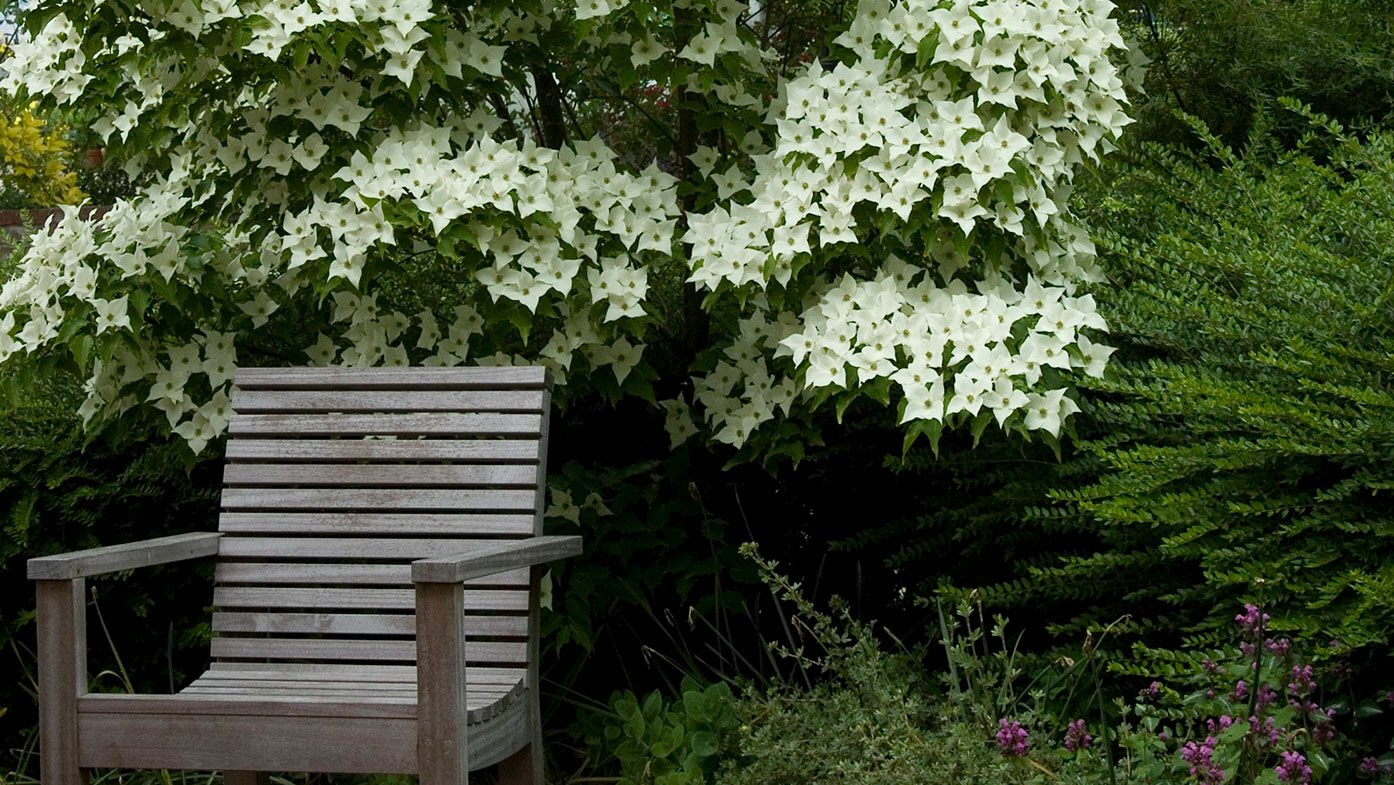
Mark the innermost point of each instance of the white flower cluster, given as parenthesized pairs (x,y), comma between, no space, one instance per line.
(51,64)
(1005,98)
(946,349)
(896,217)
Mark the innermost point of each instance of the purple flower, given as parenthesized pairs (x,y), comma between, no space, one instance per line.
(1251,621)
(1302,683)
(1323,732)
(1241,691)
(1267,727)
(1266,697)
(1389,697)
(1076,737)
(1225,722)
(1369,767)
(1210,665)
(1152,691)
(1279,646)
(1201,757)
(1293,769)
(1011,738)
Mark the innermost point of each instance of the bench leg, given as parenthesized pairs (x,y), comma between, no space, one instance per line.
(62,674)
(523,767)
(442,750)
(245,778)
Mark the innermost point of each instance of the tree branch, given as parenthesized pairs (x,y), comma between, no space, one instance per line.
(549,104)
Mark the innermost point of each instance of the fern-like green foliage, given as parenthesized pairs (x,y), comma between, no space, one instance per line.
(1249,431)
(1242,447)
(63,489)
(1228,61)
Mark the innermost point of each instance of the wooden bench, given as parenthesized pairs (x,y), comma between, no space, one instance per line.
(375,607)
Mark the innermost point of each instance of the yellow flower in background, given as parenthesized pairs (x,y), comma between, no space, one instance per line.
(34,163)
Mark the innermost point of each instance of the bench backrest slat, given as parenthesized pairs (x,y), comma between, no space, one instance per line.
(337,479)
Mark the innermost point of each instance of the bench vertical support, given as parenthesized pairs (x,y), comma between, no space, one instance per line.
(62,673)
(441,749)
(525,767)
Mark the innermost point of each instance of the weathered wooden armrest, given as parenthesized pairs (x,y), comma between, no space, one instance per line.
(492,558)
(115,558)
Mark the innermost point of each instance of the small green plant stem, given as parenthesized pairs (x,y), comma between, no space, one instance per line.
(111,644)
(954,688)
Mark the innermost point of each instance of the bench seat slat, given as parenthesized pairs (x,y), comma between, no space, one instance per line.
(376,498)
(356,475)
(481,450)
(375,548)
(250,401)
(367,599)
(325,649)
(416,424)
(349,672)
(379,523)
(478,378)
(358,623)
(230,573)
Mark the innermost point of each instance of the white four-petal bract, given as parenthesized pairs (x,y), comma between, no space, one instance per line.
(893,214)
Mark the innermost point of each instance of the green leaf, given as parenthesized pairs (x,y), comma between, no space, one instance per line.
(703,743)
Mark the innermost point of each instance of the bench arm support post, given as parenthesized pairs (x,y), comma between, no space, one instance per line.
(442,749)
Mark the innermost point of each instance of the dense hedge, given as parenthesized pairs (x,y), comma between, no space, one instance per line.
(1242,448)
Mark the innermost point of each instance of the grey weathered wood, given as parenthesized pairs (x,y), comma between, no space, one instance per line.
(330,653)
(358,624)
(429,423)
(330,650)
(312,574)
(351,745)
(382,475)
(375,498)
(207,685)
(280,743)
(62,677)
(246,778)
(128,556)
(484,559)
(527,765)
(303,705)
(272,401)
(481,450)
(491,378)
(347,548)
(369,599)
(523,767)
(318,649)
(311,699)
(369,524)
(231,573)
(442,746)
(342,671)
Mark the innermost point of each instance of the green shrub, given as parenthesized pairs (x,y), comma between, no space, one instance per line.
(1250,427)
(1243,448)
(1246,710)
(62,489)
(658,742)
(1228,61)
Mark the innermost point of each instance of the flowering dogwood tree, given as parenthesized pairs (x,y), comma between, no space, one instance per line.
(823,207)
